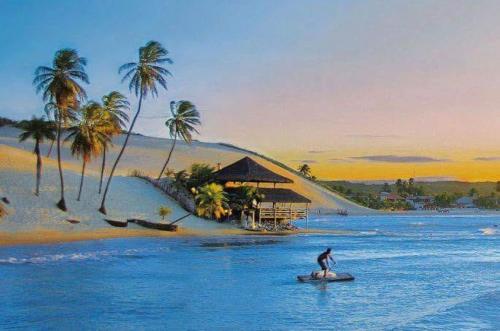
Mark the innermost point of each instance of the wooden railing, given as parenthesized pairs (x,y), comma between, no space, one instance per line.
(280,213)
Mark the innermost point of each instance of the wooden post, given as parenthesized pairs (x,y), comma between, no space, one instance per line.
(274,208)
(307,216)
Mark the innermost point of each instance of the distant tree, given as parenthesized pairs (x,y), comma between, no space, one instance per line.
(386,188)
(472,192)
(305,170)
(498,186)
(39,129)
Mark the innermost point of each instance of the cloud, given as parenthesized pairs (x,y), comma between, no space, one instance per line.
(318,151)
(334,160)
(306,161)
(398,159)
(487,158)
(371,136)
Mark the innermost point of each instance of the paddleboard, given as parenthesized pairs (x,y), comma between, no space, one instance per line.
(339,277)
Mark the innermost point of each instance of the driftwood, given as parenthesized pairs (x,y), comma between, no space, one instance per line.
(72,221)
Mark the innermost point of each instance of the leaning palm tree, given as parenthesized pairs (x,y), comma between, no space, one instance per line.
(38,129)
(182,124)
(145,76)
(89,137)
(113,108)
(60,84)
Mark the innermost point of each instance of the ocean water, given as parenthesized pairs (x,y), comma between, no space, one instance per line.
(412,273)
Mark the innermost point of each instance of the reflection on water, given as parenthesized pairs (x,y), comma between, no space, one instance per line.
(411,273)
(248,242)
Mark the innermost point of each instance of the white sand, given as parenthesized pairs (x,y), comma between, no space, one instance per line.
(148,154)
(128,198)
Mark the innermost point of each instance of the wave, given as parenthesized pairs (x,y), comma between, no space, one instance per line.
(81,256)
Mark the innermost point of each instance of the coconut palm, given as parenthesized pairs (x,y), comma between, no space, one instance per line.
(305,170)
(61,84)
(144,77)
(211,201)
(50,110)
(38,129)
(89,136)
(114,106)
(182,124)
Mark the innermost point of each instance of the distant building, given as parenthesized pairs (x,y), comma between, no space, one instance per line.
(383,196)
(421,202)
(465,202)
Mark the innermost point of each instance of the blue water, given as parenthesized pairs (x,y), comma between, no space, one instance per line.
(412,273)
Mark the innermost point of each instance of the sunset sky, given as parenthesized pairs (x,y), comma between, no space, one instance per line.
(357,89)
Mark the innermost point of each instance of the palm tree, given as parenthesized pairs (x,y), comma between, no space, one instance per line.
(38,129)
(60,84)
(89,136)
(164,212)
(305,170)
(114,106)
(184,118)
(145,76)
(211,201)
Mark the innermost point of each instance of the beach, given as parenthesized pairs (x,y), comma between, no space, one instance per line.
(32,219)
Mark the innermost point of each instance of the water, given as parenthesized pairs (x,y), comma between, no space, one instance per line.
(412,273)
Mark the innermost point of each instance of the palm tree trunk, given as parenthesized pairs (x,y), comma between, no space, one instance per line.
(62,203)
(102,209)
(102,168)
(50,148)
(81,180)
(168,158)
(38,167)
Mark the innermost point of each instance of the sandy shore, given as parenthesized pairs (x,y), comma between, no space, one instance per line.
(36,220)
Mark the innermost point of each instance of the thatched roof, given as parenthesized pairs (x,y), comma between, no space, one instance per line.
(282,195)
(247,170)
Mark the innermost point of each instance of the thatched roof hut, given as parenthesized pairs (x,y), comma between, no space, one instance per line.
(282,195)
(247,170)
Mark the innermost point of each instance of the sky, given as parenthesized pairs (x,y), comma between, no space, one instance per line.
(357,89)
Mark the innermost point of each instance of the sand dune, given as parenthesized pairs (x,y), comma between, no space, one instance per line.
(149,153)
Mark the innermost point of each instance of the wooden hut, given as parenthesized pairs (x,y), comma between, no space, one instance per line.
(277,204)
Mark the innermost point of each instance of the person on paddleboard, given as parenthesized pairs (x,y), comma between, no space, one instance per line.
(323,261)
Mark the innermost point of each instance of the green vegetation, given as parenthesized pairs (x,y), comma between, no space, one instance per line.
(38,129)
(211,201)
(6,121)
(185,118)
(163,212)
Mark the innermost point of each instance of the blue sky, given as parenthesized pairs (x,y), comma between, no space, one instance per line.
(347,78)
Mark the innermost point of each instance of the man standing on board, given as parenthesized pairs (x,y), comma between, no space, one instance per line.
(323,260)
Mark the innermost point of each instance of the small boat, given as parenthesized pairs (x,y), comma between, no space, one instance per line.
(338,277)
(152,225)
(118,224)
(72,221)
